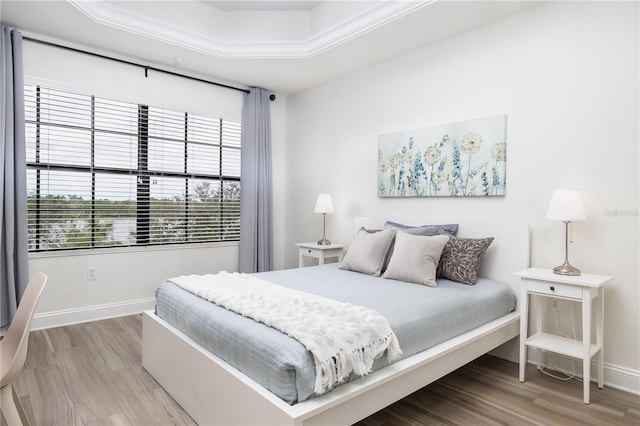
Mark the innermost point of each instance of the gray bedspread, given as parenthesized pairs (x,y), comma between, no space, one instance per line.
(420,316)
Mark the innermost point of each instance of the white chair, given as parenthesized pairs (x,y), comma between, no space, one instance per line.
(13,351)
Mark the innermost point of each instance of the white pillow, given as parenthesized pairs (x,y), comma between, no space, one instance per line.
(415,258)
(368,251)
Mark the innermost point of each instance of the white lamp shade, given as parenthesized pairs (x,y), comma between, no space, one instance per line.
(324,204)
(566,205)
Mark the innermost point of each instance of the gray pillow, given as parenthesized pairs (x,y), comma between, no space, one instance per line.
(368,251)
(460,260)
(449,228)
(415,258)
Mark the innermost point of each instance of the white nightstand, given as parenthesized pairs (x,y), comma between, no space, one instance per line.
(319,252)
(583,288)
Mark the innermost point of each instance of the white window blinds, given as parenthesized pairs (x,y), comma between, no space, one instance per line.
(104,173)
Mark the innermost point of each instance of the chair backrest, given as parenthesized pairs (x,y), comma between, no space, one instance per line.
(13,347)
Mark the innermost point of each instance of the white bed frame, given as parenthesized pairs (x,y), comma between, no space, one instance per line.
(215,393)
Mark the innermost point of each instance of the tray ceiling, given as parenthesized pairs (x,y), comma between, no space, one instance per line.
(284,46)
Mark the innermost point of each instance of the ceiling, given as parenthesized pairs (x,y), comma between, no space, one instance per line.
(283,46)
(262,5)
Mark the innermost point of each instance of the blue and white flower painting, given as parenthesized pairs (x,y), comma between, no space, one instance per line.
(462,159)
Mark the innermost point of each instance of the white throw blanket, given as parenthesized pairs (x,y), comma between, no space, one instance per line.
(343,338)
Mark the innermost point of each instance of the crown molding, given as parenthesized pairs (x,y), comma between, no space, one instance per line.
(378,14)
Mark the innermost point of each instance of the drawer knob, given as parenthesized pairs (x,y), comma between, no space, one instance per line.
(552,288)
(309,251)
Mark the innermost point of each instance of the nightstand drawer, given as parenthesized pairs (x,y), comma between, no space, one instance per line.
(311,252)
(555,289)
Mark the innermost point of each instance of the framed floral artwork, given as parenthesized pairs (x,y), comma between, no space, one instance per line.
(461,159)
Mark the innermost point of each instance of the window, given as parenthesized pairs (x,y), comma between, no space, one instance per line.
(104,173)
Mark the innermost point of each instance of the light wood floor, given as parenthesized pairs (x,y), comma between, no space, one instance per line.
(91,374)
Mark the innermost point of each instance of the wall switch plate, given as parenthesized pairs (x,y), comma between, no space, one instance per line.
(92,274)
(554,305)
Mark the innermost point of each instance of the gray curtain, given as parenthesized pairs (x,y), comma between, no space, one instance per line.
(14,252)
(256,232)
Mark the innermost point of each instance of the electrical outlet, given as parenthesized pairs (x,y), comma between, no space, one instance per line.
(554,305)
(92,274)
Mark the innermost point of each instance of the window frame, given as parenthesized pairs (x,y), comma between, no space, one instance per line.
(143,177)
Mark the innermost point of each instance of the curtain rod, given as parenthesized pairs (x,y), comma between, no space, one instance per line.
(124,61)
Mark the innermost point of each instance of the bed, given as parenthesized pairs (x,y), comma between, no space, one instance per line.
(215,392)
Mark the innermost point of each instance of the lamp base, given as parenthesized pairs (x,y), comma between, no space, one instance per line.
(324,242)
(566,269)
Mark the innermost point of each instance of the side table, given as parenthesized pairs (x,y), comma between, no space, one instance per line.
(582,288)
(320,252)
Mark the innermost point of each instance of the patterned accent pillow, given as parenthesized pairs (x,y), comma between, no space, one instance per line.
(460,260)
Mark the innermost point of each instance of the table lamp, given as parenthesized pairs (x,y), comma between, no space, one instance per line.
(566,205)
(324,205)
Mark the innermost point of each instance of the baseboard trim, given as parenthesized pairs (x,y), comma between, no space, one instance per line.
(90,313)
(617,377)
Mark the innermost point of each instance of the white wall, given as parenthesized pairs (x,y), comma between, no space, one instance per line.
(566,74)
(125,279)
(81,73)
